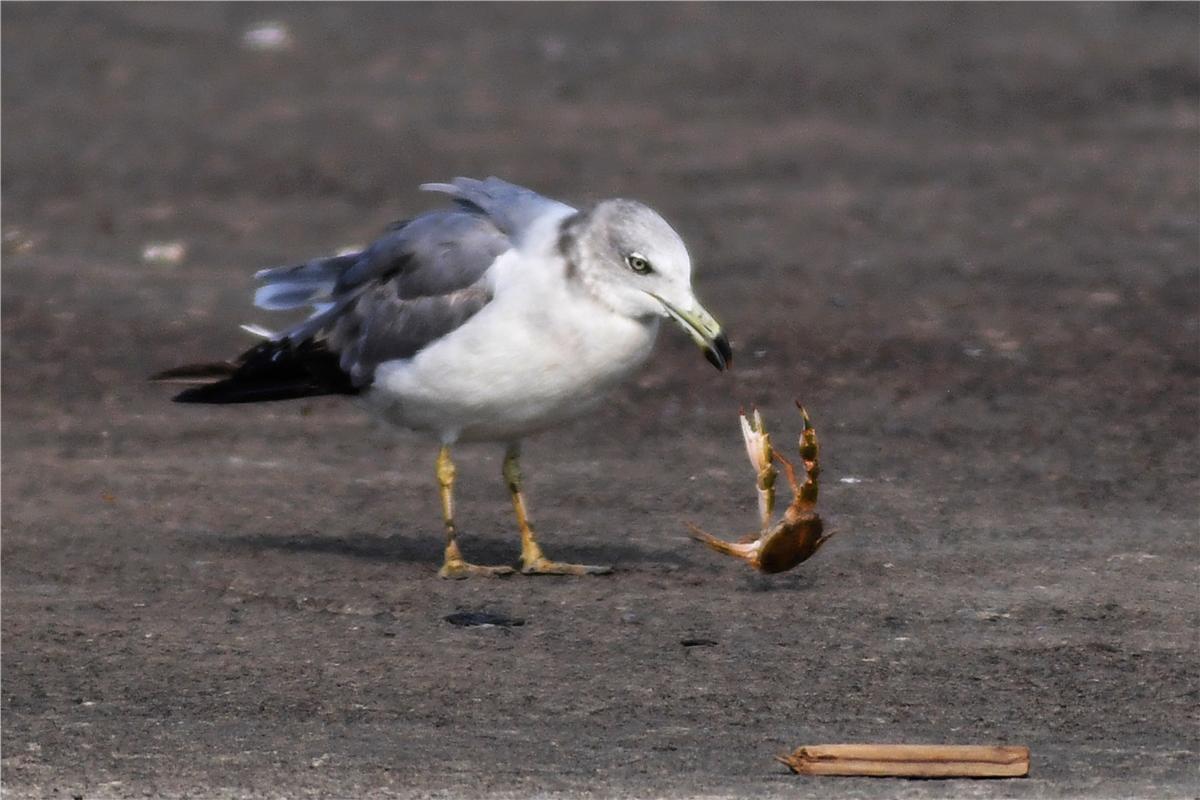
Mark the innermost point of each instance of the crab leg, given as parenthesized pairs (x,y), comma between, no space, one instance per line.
(744,550)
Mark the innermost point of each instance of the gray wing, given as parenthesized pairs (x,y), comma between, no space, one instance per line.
(429,255)
(512,208)
(418,282)
(383,326)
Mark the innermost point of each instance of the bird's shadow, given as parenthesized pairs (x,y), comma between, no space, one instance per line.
(427,549)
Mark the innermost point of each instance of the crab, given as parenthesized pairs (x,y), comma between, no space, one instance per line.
(800,533)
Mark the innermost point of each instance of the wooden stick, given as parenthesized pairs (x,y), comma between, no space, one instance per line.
(910,760)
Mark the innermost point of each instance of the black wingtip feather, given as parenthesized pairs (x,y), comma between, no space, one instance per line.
(196,373)
(267,372)
(230,391)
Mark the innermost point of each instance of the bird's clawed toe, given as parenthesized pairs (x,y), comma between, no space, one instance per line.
(544,566)
(534,561)
(462,569)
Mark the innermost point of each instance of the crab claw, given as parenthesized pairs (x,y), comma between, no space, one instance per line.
(758,448)
(810,454)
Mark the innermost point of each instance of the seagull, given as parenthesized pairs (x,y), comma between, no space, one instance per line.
(496,318)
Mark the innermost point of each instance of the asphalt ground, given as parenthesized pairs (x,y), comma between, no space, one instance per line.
(966,237)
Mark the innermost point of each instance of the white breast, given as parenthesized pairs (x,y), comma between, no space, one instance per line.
(542,352)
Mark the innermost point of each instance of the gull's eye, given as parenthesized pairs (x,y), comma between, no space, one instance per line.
(639,264)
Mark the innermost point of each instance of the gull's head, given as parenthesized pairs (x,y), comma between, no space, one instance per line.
(636,264)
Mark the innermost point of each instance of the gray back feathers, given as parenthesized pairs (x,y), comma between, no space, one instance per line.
(513,209)
(413,285)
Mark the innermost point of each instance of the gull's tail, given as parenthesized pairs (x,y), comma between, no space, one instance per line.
(271,370)
(311,283)
(288,364)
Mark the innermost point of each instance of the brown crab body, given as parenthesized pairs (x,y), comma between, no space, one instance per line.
(800,533)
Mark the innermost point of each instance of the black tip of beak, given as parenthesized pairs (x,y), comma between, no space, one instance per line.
(719,354)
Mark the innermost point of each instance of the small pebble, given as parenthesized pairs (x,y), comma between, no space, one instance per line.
(166,254)
(552,48)
(267,36)
(16,241)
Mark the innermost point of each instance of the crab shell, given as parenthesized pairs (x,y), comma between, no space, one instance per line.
(791,541)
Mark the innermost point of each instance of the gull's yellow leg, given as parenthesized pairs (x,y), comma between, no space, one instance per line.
(533,560)
(454,566)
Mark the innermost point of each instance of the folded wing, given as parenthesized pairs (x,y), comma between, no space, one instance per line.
(417,283)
